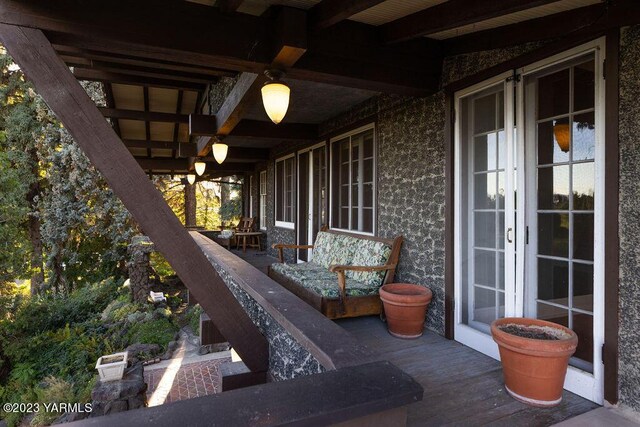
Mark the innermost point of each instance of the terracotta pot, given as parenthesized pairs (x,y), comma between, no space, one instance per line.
(534,369)
(405,307)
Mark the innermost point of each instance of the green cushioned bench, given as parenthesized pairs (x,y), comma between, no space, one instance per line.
(344,275)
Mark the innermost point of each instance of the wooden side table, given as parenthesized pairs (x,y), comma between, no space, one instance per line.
(254,240)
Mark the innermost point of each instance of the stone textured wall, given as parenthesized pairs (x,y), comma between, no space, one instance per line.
(629,228)
(287,358)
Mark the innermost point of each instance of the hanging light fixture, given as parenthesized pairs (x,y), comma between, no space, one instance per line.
(191,178)
(200,166)
(275,96)
(220,151)
(562,134)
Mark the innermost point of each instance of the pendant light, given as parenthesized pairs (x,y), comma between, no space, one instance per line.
(200,166)
(275,96)
(191,178)
(220,151)
(562,135)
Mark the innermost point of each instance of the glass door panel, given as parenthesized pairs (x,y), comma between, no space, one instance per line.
(561,267)
(483,165)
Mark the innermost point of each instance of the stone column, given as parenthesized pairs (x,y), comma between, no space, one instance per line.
(139,268)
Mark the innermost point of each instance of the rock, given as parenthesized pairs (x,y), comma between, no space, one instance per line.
(116,406)
(137,402)
(122,395)
(71,416)
(139,352)
(171,347)
(222,346)
(105,391)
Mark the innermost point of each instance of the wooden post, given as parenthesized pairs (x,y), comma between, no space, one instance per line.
(56,84)
(190,204)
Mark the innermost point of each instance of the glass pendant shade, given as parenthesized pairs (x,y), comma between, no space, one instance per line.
(200,167)
(220,151)
(191,178)
(563,136)
(275,98)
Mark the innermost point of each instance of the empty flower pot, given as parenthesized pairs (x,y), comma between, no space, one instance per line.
(405,306)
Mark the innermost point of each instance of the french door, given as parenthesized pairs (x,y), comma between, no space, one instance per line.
(312,196)
(529,193)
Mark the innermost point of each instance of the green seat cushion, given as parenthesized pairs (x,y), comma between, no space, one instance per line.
(329,288)
(302,271)
(369,253)
(333,249)
(321,281)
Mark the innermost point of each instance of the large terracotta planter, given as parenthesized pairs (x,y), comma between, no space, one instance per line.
(534,369)
(405,307)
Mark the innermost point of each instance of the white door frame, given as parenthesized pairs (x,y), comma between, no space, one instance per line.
(309,218)
(590,386)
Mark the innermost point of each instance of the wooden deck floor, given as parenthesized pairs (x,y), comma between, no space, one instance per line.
(461,385)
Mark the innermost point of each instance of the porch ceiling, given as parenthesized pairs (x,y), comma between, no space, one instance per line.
(156,63)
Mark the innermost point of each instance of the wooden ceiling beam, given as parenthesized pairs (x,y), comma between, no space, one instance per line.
(103,76)
(588,21)
(148,116)
(291,44)
(228,6)
(255,129)
(185,148)
(205,37)
(108,93)
(451,14)
(124,60)
(132,70)
(182,165)
(329,12)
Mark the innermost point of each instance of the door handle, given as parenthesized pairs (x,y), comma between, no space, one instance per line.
(509,230)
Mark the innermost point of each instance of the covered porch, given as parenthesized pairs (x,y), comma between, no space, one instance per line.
(390,102)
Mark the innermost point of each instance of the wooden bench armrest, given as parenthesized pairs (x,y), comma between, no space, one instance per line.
(342,280)
(342,268)
(282,246)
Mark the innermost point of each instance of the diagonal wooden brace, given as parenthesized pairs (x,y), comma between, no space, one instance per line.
(56,84)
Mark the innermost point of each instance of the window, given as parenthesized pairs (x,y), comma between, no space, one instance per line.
(263,200)
(352,181)
(251,186)
(284,192)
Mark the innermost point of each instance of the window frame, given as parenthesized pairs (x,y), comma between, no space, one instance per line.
(350,134)
(290,225)
(262,191)
(251,185)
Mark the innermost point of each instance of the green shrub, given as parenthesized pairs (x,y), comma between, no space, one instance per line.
(55,390)
(193,318)
(161,266)
(159,331)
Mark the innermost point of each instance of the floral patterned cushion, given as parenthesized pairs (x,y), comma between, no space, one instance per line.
(307,270)
(333,249)
(339,249)
(369,253)
(328,288)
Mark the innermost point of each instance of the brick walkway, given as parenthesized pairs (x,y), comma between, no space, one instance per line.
(179,382)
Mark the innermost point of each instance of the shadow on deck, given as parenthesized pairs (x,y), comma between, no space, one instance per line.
(461,385)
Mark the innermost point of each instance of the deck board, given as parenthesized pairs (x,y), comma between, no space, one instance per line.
(461,385)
